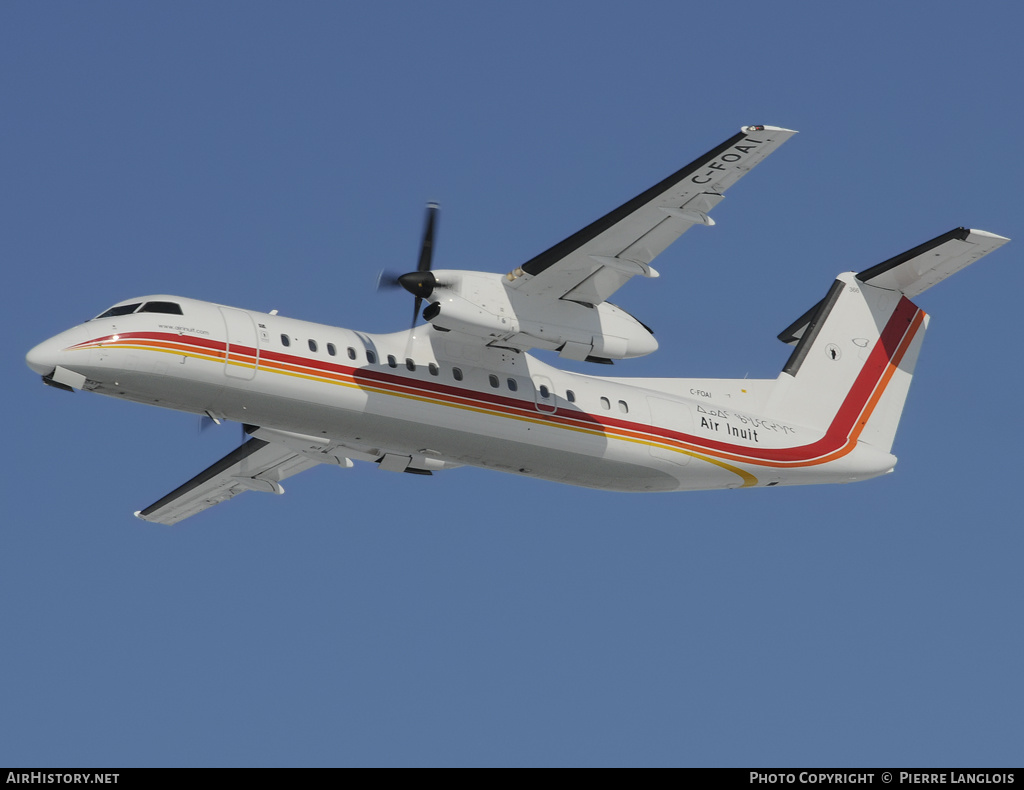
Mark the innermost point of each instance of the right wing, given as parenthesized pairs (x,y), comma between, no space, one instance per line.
(596,261)
(255,466)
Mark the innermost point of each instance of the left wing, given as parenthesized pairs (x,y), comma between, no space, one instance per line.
(593,263)
(257,465)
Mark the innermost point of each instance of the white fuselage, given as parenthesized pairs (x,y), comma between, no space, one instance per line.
(426,400)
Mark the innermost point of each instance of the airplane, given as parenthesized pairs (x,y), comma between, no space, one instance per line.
(463,389)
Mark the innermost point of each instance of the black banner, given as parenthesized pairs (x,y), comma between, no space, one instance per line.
(878,777)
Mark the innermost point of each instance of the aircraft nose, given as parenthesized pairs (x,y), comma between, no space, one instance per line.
(43,358)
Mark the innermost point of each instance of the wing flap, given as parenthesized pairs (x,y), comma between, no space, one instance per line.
(255,466)
(599,285)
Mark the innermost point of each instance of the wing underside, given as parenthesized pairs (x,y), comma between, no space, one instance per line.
(593,263)
(255,466)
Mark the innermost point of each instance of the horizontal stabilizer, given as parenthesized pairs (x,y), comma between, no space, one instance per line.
(916,270)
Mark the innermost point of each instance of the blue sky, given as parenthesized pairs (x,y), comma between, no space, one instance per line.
(278,156)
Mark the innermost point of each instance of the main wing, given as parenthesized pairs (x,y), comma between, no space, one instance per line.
(593,263)
(257,465)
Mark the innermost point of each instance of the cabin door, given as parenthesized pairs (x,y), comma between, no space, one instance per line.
(243,348)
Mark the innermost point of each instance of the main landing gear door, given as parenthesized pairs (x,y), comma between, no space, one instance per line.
(243,352)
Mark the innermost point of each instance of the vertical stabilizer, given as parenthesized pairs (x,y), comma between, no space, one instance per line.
(856,349)
(851,369)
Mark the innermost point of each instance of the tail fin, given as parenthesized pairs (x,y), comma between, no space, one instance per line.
(856,349)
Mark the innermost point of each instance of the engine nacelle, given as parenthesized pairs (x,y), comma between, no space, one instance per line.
(480,304)
(454,313)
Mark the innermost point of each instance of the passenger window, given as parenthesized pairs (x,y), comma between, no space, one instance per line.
(623,407)
(392,362)
(312,346)
(570,396)
(434,369)
(457,374)
(605,403)
(331,349)
(351,353)
(544,392)
(371,357)
(161,307)
(493,380)
(513,385)
(285,340)
(410,365)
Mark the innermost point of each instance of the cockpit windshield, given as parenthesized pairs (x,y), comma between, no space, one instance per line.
(121,309)
(171,308)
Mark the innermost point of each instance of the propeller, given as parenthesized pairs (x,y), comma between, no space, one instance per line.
(420,283)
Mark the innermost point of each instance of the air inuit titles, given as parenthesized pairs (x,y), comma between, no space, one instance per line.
(904,777)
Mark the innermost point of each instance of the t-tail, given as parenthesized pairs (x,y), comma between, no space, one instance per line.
(855,350)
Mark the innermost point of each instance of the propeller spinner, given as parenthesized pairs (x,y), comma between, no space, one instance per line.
(420,283)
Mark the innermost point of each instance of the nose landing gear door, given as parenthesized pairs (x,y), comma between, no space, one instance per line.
(243,348)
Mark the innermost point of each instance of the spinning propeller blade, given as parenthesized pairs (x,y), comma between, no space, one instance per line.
(421,282)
